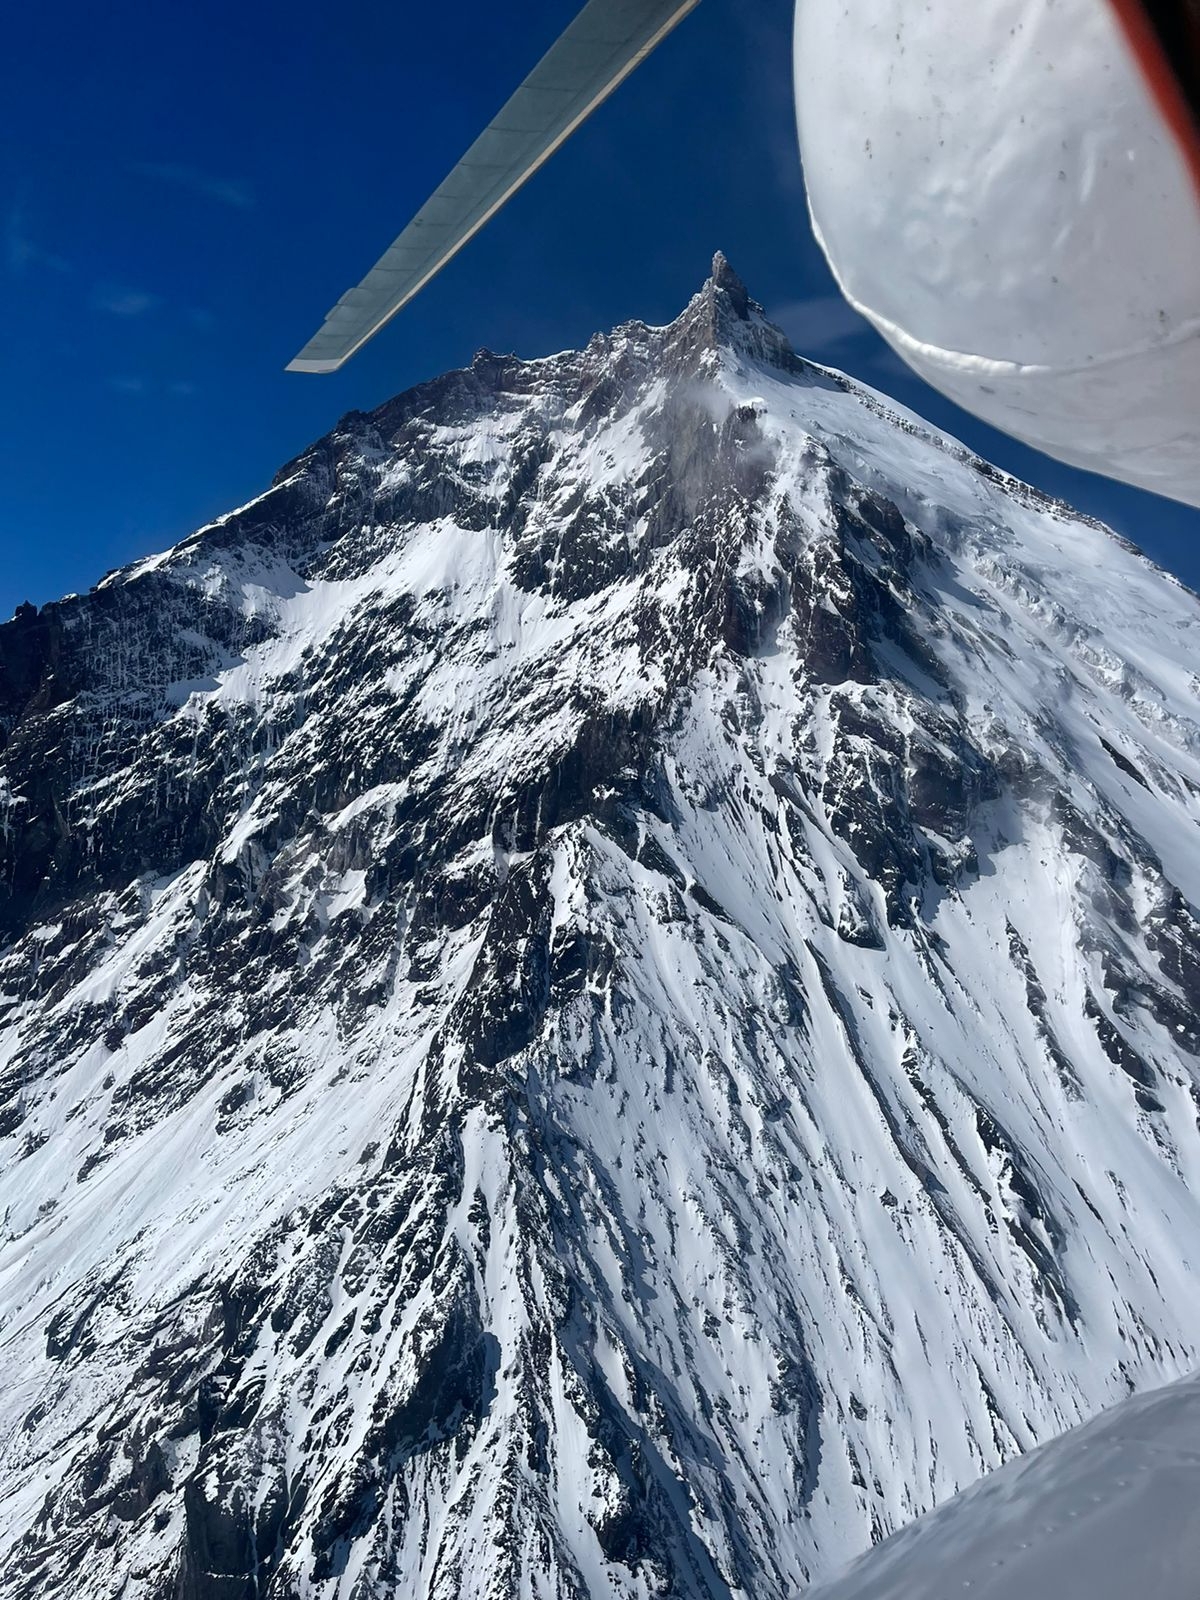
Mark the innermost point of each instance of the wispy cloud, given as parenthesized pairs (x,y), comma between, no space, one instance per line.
(124,302)
(131,384)
(225,191)
(22,253)
(819,324)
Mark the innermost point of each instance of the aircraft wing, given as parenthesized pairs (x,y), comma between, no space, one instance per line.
(604,44)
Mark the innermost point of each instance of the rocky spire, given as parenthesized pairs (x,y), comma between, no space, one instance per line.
(725,280)
(723,315)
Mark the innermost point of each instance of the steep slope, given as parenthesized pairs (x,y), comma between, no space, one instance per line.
(598,997)
(1107,1510)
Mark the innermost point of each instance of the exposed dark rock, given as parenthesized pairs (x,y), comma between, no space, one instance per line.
(582,995)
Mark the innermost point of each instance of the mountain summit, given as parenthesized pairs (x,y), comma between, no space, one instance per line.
(598,997)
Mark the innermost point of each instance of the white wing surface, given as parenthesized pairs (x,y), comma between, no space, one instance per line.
(1005,202)
(604,44)
(1105,1512)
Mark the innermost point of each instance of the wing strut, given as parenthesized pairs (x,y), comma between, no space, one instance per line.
(604,44)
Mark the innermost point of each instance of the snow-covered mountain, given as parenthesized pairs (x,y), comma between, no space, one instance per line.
(598,998)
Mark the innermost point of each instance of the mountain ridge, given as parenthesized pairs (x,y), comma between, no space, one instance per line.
(597,996)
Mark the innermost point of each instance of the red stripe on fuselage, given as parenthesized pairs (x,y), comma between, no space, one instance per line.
(1163,81)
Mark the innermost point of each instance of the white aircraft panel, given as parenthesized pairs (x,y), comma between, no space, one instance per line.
(1003,200)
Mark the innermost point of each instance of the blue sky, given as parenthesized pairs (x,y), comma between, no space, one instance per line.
(185,190)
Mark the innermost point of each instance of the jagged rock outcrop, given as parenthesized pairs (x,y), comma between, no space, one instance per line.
(598,997)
